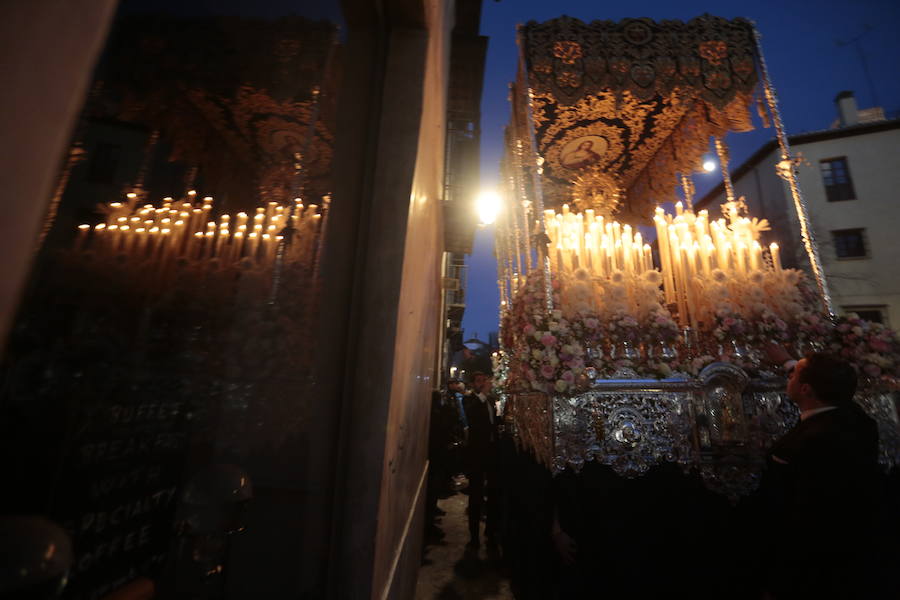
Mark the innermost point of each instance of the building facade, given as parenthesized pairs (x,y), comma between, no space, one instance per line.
(849,176)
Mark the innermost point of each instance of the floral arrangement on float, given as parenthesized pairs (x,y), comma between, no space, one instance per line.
(872,347)
(617,316)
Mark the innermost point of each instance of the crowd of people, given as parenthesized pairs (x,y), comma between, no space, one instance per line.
(823,524)
(465,433)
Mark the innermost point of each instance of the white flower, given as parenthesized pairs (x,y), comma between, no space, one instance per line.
(582,275)
(652,277)
(557,314)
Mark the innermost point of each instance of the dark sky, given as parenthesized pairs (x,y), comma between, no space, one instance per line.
(807,66)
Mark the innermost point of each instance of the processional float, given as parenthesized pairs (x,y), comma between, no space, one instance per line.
(629,355)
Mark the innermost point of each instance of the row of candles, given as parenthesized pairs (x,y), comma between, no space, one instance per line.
(590,242)
(186,229)
(691,247)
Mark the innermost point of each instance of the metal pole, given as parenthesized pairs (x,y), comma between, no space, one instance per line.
(537,171)
(788,171)
(722,151)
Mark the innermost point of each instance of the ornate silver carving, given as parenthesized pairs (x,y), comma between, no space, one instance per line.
(881,406)
(719,424)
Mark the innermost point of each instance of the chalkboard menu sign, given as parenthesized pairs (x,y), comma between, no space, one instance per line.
(122,480)
(96,417)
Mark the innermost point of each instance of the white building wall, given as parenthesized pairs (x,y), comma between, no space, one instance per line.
(873,161)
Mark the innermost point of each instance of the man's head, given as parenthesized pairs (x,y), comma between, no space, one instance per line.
(481,382)
(455,385)
(822,380)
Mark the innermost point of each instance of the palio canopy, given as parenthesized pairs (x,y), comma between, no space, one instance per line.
(621,108)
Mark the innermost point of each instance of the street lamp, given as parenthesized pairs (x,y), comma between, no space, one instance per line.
(488,205)
(709,165)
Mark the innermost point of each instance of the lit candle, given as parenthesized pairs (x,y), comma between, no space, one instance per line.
(690,303)
(755,256)
(662,241)
(740,258)
(588,258)
(776,258)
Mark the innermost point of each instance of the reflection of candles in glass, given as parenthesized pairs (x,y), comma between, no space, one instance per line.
(252,244)
(82,237)
(238,243)
(209,241)
(195,250)
(141,242)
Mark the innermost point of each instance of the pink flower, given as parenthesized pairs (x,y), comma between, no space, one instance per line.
(529,329)
(879,346)
(568,377)
(548,371)
(548,340)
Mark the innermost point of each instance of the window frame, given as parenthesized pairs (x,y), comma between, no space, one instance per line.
(863,237)
(834,191)
(882,309)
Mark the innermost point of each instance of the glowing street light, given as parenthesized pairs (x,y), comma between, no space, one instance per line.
(488,205)
(709,165)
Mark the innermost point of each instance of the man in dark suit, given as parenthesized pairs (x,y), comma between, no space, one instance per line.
(480,456)
(823,490)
